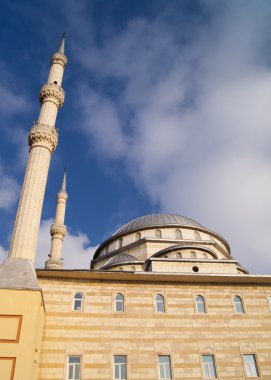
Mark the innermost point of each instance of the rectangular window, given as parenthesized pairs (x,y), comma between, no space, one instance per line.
(251,365)
(209,368)
(74,368)
(120,367)
(164,367)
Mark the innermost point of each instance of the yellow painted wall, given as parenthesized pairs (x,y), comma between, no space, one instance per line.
(17,307)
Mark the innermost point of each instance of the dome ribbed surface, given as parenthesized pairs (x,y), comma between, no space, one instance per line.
(153,220)
(121,258)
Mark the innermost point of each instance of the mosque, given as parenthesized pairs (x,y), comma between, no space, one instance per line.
(163,298)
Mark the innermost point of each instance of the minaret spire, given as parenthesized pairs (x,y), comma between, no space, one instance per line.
(61,48)
(43,138)
(58,229)
(63,185)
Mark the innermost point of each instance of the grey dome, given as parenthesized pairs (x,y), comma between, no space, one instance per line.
(153,220)
(120,259)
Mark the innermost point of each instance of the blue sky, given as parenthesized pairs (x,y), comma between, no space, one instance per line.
(167,110)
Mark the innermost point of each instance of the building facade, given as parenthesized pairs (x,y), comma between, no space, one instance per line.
(163,298)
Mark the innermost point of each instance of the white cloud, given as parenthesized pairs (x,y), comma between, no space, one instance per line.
(9,191)
(196,99)
(3,254)
(76,252)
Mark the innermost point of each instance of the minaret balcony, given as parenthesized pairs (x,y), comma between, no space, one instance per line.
(52,92)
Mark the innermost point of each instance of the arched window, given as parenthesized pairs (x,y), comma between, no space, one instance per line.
(158,234)
(193,254)
(200,303)
(179,255)
(197,235)
(119,302)
(133,269)
(178,234)
(120,242)
(205,255)
(160,304)
(238,305)
(78,301)
(269,300)
(137,236)
(120,268)
(106,250)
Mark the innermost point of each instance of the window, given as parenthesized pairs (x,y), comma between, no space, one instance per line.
(160,305)
(178,234)
(137,236)
(238,304)
(209,368)
(269,300)
(120,368)
(193,254)
(197,235)
(251,365)
(74,367)
(78,301)
(119,302)
(158,234)
(164,367)
(179,255)
(205,255)
(120,242)
(200,304)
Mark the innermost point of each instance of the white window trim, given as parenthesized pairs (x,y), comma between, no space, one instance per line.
(115,303)
(170,366)
(196,304)
(73,301)
(155,305)
(68,365)
(126,362)
(256,363)
(215,365)
(243,304)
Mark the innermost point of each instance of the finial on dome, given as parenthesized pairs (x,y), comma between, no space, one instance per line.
(63,185)
(61,48)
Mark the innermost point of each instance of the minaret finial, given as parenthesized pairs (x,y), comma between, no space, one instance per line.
(61,48)
(63,184)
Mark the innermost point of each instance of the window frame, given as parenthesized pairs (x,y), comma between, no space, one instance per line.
(74,300)
(257,368)
(178,234)
(117,301)
(205,376)
(158,233)
(120,372)
(165,371)
(197,235)
(242,305)
(204,305)
(162,301)
(73,366)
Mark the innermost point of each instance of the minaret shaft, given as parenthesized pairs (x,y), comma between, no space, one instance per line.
(42,139)
(58,230)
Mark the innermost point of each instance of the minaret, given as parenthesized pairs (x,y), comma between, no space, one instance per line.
(43,138)
(58,229)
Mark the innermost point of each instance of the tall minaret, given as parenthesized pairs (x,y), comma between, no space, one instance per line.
(58,229)
(43,138)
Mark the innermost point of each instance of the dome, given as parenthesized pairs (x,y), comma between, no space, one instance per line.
(121,259)
(154,220)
